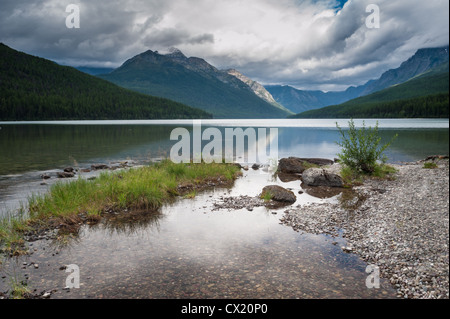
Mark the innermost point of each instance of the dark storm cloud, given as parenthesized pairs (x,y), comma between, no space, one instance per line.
(305,43)
(173,37)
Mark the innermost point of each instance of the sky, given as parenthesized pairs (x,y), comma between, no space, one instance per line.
(308,44)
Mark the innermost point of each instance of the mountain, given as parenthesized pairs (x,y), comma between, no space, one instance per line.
(94,71)
(300,100)
(32,88)
(258,89)
(421,62)
(194,82)
(426,95)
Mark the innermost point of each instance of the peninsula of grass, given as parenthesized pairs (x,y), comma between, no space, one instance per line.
(145,188)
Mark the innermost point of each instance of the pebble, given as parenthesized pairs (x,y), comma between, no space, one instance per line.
(400,225)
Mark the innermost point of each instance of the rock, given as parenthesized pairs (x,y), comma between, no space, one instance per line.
(295,165)
(436,157)
(279,194)
(286,178)
(256,166)
(46,295)
(45,176)
(347,249)
(65,175)
(323,177)
(322,191)
(85,170)
(97,167)
(69,170)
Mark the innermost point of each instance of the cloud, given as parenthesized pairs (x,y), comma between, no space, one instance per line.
(310,44)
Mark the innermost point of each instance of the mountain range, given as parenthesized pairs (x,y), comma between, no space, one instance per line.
(425,95)
(162,86)
(34,89)
(302,100)
(194,82)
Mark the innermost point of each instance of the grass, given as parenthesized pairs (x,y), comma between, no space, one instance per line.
(308,165)
(430,165)
(352,177)
(146,188)
(12,226)
(19,289)
(191,194)
(266,196)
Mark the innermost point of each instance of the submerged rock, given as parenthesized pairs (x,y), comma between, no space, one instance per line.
(286,178)
(99,166)
(65,174)
(256,167)
(322,192)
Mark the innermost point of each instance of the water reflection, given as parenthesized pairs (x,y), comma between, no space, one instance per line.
(130,223)
(29,150)
(36,147)
(193,251)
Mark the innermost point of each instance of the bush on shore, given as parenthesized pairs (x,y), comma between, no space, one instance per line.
(362,150)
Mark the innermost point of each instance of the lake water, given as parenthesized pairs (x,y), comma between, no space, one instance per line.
(188,249)
(37,146)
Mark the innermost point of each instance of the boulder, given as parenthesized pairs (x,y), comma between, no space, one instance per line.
(69,170)
(99,166)
(322,191)
(256,167)
(65,174)
(295,165)
(286,178)
(279,194)
(323,177)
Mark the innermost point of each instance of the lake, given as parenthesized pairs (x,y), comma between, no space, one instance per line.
(37,146)
(189,249)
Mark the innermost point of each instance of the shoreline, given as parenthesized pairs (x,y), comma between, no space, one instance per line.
(399,225)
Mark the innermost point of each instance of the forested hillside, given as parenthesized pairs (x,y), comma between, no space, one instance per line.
(425,96)
(431,106)
(33,88)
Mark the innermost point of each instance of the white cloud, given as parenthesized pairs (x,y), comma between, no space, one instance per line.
(306,44)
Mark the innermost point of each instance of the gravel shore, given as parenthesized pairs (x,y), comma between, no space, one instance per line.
(400,225)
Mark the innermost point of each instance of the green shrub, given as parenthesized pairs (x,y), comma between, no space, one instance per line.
(430,165)
(361,148)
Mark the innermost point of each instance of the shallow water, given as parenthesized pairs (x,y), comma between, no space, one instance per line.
(190,250)
(28,150)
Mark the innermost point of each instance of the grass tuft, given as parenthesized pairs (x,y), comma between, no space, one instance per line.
(145,188)
(430,165)
(353,177)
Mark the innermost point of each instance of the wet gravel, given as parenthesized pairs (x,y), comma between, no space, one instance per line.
(399,225)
